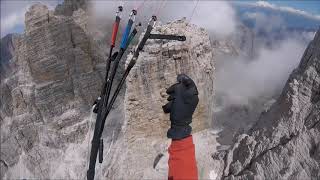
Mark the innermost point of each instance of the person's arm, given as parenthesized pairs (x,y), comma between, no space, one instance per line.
(182,161)
(182,103)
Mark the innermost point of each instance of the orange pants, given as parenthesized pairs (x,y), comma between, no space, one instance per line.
(182,161)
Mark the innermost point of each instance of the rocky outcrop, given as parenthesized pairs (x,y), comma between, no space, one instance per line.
(145,125)
(157,69)
(285,141)
(69,6)
(46,99)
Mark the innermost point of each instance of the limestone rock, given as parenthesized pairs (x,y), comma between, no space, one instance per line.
(145,126)
(284,143)
(69,6)
(157,68)
(45,99)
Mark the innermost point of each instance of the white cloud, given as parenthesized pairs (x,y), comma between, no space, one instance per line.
(216,16)
(240,80)
(11,21)
(266,4)
(12,14)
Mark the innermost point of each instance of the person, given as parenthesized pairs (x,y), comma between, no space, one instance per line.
(183,100)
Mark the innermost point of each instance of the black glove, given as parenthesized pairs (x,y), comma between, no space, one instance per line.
(183,100)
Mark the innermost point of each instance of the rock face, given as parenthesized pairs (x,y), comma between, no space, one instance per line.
(157,69)
(53,73)
(7,48)
(7,51)
(285,141)
(47,96)
(145,123)
(69,6)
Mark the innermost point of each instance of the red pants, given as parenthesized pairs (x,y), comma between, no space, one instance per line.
(182,161)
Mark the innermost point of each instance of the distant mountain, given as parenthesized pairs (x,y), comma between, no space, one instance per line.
(7,47)
(7,52)
(285,19)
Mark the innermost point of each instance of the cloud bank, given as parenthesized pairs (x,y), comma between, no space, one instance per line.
(240,80)
(217,16)
(266,4)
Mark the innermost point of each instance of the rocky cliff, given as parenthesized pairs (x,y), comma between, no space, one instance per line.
(69,6)
(46,98)
(55,73)
(157,69)
(285,141)
(145,124)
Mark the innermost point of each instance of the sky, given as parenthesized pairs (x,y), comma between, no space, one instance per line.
(12,11)
(311,6)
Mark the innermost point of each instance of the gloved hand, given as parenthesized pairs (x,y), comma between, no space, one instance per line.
(183,100)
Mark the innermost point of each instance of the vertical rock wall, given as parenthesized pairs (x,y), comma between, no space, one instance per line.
(157,68)
(144,132)
(46,98)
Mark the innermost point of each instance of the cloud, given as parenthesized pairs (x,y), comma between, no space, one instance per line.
(265,23)
(240,80)
(11,21)
(266,4)
(10,17)
(12,14)
(216,16)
